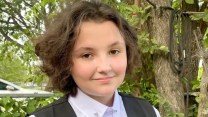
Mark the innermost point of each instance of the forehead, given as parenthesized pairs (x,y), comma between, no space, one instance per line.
(91,32)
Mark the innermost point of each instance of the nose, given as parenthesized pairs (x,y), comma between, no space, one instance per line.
(104,64)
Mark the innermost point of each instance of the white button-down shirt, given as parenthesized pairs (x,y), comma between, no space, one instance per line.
(85,106)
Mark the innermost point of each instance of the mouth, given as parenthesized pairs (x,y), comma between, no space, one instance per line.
(104,79)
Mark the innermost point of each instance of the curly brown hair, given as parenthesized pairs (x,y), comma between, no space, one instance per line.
(55,46)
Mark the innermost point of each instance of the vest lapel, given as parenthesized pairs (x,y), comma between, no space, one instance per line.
(63,109)
(137,107)
(130,107)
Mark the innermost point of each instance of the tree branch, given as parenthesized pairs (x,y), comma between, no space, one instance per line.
(9,38)
(21,18)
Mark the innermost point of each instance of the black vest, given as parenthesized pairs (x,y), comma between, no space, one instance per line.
(135,107)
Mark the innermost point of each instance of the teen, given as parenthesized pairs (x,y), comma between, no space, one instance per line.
(86,52)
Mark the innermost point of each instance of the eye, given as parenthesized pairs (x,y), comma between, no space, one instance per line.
(114,52)
(87,55)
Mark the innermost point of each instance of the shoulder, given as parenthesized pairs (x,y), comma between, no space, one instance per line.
(133,104)
(130,97)
(49,108)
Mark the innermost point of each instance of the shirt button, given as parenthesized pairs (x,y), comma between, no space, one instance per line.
(96,114)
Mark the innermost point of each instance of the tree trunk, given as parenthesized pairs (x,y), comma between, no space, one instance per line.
(190,64)
(190,71)
(168,84)
(203,95)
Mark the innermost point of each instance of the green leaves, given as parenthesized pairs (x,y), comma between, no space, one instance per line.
(134,14)
(11,107)
(205,39)
(7,105)
(204,17)
(206,42)
(189,1)
(20,21)
(149,92)
(201,15)
(149,46)
(31,106)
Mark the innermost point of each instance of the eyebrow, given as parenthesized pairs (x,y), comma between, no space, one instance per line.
(90,49)
(116,43)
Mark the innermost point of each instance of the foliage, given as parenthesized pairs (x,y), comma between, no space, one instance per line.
(149,46)
(127,86)
(11,107)
(190,1)
(205,39)
(196,83)
(193,110)
(20,21)
(149,92)
(11,65)
(169,112)
(203,16)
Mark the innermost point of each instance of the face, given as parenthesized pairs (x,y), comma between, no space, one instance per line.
(99,59)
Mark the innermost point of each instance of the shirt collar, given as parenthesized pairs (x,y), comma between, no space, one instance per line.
(91,107)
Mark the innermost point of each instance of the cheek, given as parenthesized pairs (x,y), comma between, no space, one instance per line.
(81,71)
(119,65)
